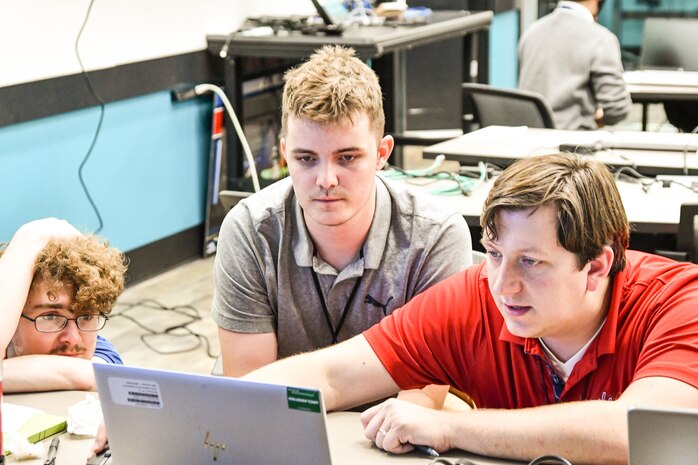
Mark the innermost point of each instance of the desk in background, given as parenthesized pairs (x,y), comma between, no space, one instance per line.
(655,211)
(385,46)
(347,442)
(502,145)
(656,86)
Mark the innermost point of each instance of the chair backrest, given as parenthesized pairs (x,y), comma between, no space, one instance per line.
(683,114)
(217,369)
(687,236)
(506,107)
(478,257)
(231,198)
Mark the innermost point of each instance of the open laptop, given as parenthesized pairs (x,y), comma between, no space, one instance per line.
(332,12)
(156,417)
(662,436)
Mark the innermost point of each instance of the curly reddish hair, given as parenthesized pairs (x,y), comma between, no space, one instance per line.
(94,271)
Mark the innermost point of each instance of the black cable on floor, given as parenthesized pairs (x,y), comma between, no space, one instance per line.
(181,330)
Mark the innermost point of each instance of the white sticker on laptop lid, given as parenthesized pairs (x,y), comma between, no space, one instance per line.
(135,392)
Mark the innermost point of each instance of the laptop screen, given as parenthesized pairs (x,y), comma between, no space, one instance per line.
(669,43)
(333,12)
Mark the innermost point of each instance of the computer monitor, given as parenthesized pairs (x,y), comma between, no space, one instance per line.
(669,43)
(333,12)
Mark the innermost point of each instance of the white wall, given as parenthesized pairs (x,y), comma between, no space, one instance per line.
(37,37)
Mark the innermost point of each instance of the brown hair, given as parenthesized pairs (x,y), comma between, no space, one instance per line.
(94,271)
(331,86)
(589,208)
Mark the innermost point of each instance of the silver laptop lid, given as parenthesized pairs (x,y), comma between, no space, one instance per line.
(156,417)
(662,436)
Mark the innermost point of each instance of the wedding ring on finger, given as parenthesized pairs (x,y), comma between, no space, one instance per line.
(382,431)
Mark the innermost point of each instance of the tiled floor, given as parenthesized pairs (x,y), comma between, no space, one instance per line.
(188,289)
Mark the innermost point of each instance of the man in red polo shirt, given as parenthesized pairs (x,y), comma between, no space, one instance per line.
(553,337)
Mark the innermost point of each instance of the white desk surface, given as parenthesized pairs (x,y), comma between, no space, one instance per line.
(661,153)
(73,450)
(347,442)
(655,211)
(662,83)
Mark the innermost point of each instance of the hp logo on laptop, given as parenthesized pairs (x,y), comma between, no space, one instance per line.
(217,447)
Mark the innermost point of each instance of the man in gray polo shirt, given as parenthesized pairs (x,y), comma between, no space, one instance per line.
(322,256)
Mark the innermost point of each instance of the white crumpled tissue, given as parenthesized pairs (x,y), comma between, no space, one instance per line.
(85,416)
(20,448)
(17,445)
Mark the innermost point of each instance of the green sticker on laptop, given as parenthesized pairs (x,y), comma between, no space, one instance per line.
(307,400)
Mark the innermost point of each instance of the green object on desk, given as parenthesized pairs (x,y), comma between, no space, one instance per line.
(464,185)
(41,426)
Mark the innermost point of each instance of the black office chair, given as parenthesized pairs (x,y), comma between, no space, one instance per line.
(231,198)
(687,237)
(682,114)
(504,107)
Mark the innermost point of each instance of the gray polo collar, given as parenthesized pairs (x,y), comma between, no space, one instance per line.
(377,237)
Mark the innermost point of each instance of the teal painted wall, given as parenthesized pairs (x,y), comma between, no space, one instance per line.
(147,173)
(504,39)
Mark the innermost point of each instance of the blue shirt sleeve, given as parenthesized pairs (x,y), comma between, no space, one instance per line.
(107,352)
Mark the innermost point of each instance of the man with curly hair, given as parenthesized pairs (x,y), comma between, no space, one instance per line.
(57,288)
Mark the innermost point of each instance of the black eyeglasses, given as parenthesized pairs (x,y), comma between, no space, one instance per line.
(53,323)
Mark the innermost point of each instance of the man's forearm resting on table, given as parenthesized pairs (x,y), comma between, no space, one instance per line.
(31,373)
(585,432)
